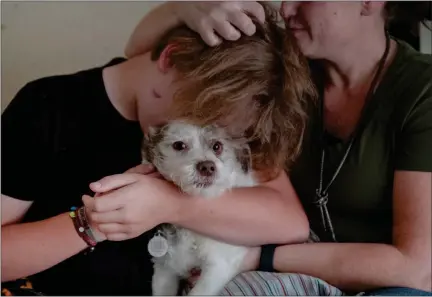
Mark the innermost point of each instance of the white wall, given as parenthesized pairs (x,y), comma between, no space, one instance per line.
(44,38)
(426,38)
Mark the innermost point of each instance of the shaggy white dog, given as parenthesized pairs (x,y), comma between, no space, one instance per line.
(204,162)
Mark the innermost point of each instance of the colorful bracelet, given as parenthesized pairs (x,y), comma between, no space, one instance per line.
(82,216)
(82,227)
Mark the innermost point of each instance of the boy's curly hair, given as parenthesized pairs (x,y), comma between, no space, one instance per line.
(257,85)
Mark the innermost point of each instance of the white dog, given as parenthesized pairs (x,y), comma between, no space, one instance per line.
(204,162)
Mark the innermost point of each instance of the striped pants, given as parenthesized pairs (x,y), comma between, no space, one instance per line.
(257,283)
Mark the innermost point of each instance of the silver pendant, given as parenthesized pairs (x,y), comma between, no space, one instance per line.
(321,202)
(158,245)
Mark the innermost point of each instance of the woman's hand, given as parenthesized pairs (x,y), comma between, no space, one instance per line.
(227,18)
(129,204)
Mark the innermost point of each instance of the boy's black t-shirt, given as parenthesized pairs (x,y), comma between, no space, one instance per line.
(59,134)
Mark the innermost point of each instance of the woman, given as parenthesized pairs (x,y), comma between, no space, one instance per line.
(364,175)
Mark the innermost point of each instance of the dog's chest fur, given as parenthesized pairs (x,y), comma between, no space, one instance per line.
(188,250)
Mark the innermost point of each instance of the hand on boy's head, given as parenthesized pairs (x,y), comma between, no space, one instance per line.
(227,18)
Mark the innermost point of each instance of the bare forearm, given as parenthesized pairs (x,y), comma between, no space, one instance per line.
(150,29)
(355,266)
(33,247)
(247,216)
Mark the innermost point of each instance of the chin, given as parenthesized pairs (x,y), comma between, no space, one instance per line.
(306,47)
(203,188)
(210,189)
(309,52)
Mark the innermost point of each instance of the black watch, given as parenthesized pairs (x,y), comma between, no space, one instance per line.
(266,258)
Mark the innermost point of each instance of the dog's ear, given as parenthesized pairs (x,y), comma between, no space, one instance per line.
(145,155)
(244,157)
(151,138)
(152,131)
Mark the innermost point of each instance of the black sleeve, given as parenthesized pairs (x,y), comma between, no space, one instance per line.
(25,154)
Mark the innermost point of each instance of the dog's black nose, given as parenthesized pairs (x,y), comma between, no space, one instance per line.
(206,168)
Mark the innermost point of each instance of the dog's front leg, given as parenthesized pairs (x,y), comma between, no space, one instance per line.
(213,279)
(165,282)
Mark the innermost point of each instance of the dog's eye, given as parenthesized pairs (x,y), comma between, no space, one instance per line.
(179,146)
(217,148)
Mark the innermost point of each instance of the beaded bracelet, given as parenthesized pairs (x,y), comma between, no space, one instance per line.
(82,226)
(82,216)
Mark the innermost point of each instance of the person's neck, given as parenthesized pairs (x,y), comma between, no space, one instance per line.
(121,83)
(356,63)
(120,89)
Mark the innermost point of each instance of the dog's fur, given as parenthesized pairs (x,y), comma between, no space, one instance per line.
(219,262)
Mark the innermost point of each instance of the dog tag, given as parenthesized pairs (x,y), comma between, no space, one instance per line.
(158,245)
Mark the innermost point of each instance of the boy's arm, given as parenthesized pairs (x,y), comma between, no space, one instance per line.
(30,248)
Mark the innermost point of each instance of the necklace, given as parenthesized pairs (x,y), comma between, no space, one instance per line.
(321,194)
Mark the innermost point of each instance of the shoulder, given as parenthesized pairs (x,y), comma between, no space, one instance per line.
(411,92)
(39,105)
(55,82)
(40,92)
(48,93)
(410,83)
(411,71)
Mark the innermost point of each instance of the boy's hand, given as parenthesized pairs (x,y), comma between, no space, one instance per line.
(129,204)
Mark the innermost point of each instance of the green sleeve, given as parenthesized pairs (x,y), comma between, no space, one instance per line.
(413,145)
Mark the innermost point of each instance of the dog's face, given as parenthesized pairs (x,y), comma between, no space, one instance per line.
(199,160)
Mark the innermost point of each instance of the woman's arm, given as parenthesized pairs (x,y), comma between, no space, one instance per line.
(270,213)
(150,29)
(356,266)
(29,248)
(128,205)
(226,18)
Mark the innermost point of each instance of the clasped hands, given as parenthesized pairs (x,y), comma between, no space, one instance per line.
(127,205)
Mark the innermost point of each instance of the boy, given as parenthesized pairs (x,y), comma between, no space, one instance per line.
(61,133)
